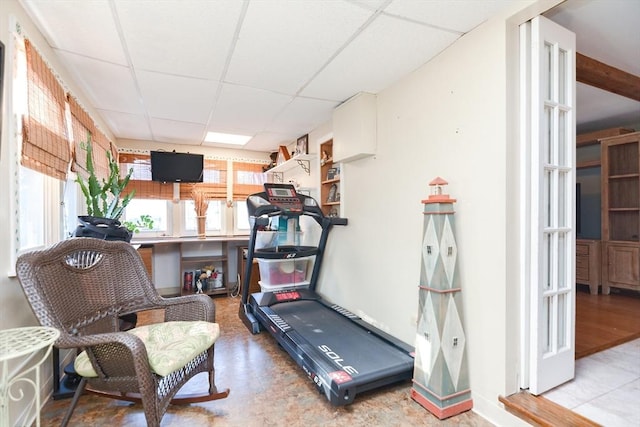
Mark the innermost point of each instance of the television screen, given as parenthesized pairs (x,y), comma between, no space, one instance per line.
(168,166)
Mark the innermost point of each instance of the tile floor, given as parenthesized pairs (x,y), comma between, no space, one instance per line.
(267,389)
(606,388)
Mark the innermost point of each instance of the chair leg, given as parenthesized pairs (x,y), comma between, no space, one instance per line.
(210,368)
(74,402)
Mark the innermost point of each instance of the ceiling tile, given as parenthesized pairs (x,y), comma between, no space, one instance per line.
(460,15)
(246,109)
(381,47)
(188,38)
(302,116)
(283,57)
(92,34)
(267,141)
(126,126)
(109,86)
(174,132)
(177,98)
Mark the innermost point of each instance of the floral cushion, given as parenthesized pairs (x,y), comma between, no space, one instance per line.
(170,345)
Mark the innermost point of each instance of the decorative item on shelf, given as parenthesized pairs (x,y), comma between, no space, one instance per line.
(201,204)
(333,213)
(326,158)
(105,200)
(295,183)
(332,173)
(332,194)
(302,145)
(274,162)
(188,281)
(283,155)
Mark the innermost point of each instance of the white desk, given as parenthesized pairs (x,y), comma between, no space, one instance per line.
(23,344)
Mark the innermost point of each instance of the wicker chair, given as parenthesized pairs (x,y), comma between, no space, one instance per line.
(83,287)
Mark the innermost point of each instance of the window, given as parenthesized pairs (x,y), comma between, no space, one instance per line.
(214,216)
(241,217)
(158,211)
(31,209)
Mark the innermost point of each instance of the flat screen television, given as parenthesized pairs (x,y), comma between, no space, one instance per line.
(169,166)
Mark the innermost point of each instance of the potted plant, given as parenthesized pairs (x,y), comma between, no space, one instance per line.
(105,200)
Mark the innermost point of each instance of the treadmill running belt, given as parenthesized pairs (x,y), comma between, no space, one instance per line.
(335,335)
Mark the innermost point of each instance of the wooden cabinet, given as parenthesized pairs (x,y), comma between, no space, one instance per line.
(355,128)
(146,253)
(254,285)
(329,181)
(621,211)
(197,259)
(588,260)
(621,267)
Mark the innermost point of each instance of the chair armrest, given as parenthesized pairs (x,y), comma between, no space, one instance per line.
(188,307)
(133,361)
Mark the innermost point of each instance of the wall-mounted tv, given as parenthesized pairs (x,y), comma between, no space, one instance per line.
(169,166)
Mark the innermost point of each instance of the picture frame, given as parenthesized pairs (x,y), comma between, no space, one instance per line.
(332,173)
(302,145)
(332,194)
(283,155)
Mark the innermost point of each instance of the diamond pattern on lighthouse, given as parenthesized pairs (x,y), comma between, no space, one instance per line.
(449,251)
(427,340)
(430,250)
(453,341)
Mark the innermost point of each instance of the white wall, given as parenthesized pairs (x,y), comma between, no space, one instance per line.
(455,117)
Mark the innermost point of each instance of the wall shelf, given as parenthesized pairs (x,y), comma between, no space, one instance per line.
(301,160)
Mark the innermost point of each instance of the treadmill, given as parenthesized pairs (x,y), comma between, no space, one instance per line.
(342,354)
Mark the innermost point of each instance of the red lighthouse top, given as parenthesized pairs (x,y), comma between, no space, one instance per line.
(436,195)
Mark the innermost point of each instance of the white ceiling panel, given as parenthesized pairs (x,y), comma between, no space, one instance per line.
(92,34)
(245,108)
(382,47)
(283,57)
(188,38)
(175,132)
(267,141)
(275,69)
(301,115)
(109,86)
(177,98)
(460,16)
(127,126)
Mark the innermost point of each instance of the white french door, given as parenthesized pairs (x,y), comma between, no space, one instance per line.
(549,187)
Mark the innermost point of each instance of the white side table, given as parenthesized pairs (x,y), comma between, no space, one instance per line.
(23,344)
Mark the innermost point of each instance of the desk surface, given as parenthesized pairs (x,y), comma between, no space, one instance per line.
(192,239)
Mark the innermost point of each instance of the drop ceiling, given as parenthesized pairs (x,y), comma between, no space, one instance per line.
(169,71)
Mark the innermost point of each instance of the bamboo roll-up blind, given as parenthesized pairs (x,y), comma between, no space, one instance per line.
(101,145)
(248,178)
(45,143)
(141,177)
(214,184)
(82,128)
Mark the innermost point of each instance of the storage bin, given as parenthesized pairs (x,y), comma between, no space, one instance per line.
(271,239)
(282,272)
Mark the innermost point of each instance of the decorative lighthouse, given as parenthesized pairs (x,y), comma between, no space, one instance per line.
(441,375)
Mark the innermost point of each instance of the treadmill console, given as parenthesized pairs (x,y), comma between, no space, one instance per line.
(283,196)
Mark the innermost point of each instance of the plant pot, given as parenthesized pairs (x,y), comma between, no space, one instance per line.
(102,228)
(202,220)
